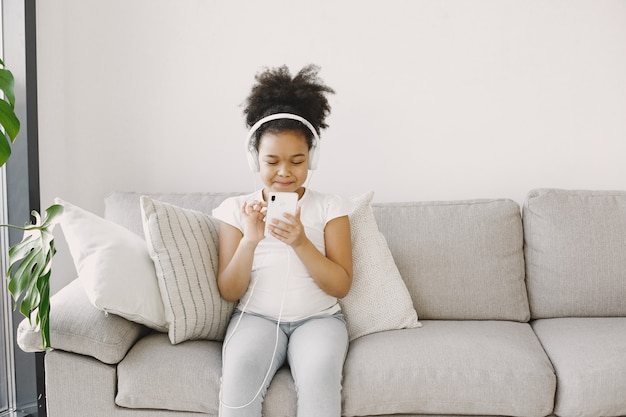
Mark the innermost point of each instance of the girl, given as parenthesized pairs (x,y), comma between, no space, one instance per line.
(288,283)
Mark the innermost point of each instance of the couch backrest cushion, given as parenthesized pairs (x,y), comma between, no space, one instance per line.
(461,260)
(575,248)
(122,207)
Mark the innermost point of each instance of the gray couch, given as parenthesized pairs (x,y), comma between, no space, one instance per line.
(523,313)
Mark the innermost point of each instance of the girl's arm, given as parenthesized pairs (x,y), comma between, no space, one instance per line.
(333,272)
(236,252)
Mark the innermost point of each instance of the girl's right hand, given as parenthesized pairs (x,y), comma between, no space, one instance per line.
(254,217)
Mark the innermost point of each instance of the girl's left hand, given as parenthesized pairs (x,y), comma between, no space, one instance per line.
(291,231)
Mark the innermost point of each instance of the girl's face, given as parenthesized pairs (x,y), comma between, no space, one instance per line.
(284,161)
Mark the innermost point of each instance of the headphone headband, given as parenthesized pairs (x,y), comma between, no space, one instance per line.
(252,153)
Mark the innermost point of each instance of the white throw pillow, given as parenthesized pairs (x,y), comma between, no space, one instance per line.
(113,266)
(378,299)
(183,245)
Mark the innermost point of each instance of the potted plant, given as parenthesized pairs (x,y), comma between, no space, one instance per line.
(28,272)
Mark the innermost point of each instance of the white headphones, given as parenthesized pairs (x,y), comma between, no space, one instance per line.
(253,154)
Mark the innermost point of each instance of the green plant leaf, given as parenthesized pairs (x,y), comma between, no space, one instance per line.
(9,123)
(7,85)
(30,260)
(10,128)
(9,120)
(43,311)
(22,274)
(30,266)
(5,150)
(51,216)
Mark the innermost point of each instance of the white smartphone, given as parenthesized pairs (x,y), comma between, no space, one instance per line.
(277,205)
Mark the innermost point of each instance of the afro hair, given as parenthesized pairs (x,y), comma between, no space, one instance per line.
(276,91)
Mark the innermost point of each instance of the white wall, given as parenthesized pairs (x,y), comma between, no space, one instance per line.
(435,99)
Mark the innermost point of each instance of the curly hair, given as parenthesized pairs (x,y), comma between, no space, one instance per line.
(276,91)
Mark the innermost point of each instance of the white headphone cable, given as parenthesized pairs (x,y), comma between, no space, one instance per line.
(280,314)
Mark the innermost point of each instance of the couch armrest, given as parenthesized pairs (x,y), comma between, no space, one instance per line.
(77,326)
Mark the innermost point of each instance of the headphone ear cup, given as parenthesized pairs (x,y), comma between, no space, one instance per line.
(253,160)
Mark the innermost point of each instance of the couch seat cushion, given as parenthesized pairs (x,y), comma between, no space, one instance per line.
(186,377)
(589,357)
(450,367)
(158,375)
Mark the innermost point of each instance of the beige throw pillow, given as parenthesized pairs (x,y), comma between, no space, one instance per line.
(378,299)
(183,245)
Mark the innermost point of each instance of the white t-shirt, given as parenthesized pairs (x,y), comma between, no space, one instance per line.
(278,277)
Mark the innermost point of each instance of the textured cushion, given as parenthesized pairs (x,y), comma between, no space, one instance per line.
(456,367)
(77,385)
(77,326)
(461,260)
(589,356)
(576,253)
(187,378)
(378,299)
(183,245)
(114,266)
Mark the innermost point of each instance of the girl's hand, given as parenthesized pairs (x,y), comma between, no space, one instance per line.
(254,217)
(290,231)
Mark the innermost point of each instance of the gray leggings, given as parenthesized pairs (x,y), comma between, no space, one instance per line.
(315,349)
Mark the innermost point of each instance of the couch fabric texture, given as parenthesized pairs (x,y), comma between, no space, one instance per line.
(522,313)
